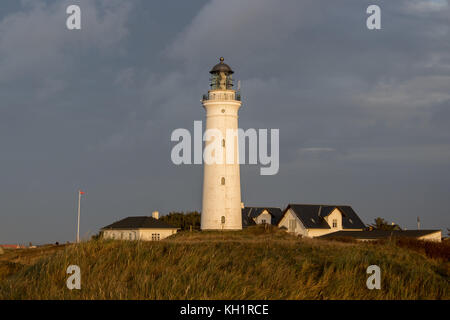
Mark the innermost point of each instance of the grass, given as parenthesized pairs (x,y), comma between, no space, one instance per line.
(255,263)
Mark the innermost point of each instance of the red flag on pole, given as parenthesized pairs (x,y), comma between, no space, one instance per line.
(82,192)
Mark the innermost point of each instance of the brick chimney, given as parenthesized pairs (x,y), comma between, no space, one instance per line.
(155,214)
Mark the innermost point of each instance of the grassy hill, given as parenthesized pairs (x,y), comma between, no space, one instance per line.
(256,263)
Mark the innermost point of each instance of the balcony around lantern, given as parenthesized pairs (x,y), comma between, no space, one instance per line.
(222,95)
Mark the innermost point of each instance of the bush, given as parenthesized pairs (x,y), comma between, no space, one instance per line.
(434,250)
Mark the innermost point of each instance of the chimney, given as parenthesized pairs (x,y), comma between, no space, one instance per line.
(155,214)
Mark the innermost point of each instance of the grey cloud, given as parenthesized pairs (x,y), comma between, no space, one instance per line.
(363,116)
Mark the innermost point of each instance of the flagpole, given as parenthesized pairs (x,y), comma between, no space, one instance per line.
(78,225)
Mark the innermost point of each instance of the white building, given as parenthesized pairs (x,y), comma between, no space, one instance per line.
(310,220)
(221,204)
(139,228)
(260,215)
(332,221)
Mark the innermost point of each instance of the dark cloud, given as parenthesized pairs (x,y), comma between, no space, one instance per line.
(363,115)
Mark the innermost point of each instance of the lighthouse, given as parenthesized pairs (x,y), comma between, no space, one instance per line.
(221,203)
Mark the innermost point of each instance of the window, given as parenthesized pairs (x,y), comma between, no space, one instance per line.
(334,223)
(263,221)
(222,181)
(155,236)
(223,142)
(223,219)
(314,221)
(292,225)
(351,221)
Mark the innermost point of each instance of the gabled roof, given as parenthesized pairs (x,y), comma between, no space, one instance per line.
(379,234)
(313,215)
(250,213)
(139,223)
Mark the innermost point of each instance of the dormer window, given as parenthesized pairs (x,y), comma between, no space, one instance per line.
(334,223)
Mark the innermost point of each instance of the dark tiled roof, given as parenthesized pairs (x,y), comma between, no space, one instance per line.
(139,222)
(247,221)
(312,215)
(249,213)
(350,220)
(379,234)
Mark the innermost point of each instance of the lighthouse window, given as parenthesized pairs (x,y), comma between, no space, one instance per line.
(222,181)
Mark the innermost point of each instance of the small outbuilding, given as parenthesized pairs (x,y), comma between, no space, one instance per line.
(260,215)
(139,228)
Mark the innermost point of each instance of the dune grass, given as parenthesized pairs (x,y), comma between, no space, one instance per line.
(255,263)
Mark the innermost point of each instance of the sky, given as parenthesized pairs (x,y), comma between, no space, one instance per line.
(364,115)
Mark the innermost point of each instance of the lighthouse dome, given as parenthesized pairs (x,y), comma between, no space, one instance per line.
(221,67)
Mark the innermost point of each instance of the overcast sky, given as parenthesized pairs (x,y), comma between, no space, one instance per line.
(364,116)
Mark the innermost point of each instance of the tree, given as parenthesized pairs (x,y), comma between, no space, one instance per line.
(182,220)
(381,224)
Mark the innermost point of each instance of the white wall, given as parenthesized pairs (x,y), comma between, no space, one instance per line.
(222,200)
(121,234)
(146,234)
(264,216)
(334,215)
(299,228)
(137,234)
(436,236)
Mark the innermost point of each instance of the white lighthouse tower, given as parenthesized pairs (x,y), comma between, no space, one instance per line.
(221,205)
